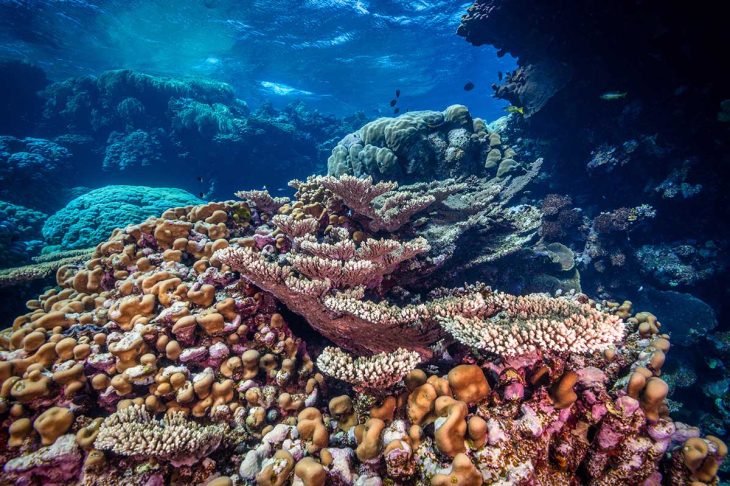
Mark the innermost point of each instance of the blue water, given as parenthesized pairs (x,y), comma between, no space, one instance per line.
(339,56)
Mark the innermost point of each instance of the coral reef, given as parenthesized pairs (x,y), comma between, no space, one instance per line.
(172,356)
(32,172)
(20,233)
(123,121)
(91,217)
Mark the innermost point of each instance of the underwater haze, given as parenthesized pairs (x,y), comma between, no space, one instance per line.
(350,242)
(338,56)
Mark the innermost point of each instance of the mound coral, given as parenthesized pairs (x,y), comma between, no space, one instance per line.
(91,217)
(166,358)
(423,145)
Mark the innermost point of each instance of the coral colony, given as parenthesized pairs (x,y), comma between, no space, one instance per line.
(176,354)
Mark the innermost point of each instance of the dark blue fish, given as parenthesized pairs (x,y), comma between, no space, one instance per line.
(393,102)
(396,111)
(469,86)
(397,93)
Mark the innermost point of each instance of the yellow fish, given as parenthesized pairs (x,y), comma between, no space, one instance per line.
(515,109)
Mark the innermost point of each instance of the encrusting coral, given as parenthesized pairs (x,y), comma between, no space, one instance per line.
(166,358)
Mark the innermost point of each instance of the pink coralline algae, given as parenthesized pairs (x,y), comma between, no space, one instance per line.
(185,363)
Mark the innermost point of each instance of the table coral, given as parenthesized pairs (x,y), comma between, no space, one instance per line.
(168,357)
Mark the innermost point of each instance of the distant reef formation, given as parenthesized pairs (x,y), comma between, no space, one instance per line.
(276,341)
(624,103)
(59,140)
(129,127)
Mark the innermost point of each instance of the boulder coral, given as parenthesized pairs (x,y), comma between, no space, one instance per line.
(423,145)
(91,217)
(173,356)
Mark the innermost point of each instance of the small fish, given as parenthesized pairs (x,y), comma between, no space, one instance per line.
(469,86)
(393,102)
(613,95)
(397,93)
(200,178)
(499,75)
(201,195)
(396,111)
(515,109)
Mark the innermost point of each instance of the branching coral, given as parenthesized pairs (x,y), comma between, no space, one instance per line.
(132,431)
(380,371)
(385,208)
(537,322)
(307,278)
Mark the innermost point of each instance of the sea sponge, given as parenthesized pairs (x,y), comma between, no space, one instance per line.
(468,383)
(53,423)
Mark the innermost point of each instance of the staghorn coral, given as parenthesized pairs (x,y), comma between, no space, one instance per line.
(132,431)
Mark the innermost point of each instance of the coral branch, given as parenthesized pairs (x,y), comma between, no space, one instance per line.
(380,371)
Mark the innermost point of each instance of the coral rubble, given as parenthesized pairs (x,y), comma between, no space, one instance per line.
(175,354)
